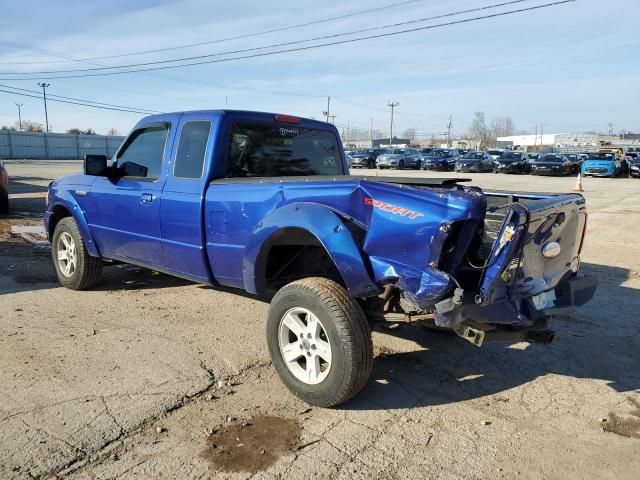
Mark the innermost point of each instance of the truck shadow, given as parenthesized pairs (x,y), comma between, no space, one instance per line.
(601,341)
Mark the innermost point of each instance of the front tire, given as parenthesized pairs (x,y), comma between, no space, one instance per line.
(319,341)
(75,268)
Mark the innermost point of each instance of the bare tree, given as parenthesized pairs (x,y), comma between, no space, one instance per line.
(410,133)
(479,131)
(31,126)
(502,127)
(78,131)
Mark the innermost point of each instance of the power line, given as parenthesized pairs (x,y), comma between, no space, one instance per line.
(277,45)
(221,40)
(74,103)
(143,110)
(263,54)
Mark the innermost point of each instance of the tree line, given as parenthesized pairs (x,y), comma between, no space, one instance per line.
(31,126)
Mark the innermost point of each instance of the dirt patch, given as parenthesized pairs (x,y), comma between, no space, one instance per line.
(253,445)
(627,426)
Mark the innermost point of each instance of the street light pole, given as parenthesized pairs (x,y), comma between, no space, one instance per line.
(19,105)
(44,97)
(392,105)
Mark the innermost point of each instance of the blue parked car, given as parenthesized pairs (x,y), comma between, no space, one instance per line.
(264,203)
(601,164)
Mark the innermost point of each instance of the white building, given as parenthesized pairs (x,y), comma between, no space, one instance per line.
(561,141)
(530,140)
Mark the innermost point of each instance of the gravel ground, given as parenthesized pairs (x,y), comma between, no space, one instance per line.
(147,376)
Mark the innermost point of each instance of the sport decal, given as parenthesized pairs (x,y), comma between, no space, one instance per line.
(395,209)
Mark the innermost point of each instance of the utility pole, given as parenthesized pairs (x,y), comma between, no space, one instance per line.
(333,118)
(392,105)
(541,134)
(610,132)
(19,105)
(44,97)
(371,131)
(535,138)
(449,131)
(327,112)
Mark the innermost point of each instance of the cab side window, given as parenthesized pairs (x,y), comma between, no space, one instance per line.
(142,153)
(192,149)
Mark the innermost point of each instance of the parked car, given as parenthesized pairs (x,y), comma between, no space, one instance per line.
(399,158)
(426,150)
(495,153)
(264,203)
(474,162)
(4,189)
(553,164)
(440,159)
(602,164)
(633,162)
(512,162)
(364,159)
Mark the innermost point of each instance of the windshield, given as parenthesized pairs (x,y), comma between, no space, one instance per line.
(494,152)
(601,156)
(439,152)
(552,159)
(510,156)
(473,156)
(267,150)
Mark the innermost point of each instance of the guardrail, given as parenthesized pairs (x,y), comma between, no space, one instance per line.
(50,146)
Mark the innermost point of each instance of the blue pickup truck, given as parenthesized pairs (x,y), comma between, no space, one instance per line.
(265,203)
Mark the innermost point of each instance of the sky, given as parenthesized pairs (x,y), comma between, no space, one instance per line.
(572,67)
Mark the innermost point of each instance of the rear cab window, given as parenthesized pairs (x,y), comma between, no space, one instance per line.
(192,149)
(274,150)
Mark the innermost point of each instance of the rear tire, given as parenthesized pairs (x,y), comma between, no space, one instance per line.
(330,331)
(75,268)
(4,201)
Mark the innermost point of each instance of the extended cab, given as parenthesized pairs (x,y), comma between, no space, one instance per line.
(264,203)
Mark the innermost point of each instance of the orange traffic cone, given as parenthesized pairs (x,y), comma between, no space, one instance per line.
(578,187)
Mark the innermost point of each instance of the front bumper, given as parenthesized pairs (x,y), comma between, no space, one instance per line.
(468,168)
(598,172)
(558,172)
(510,168)
(443,167)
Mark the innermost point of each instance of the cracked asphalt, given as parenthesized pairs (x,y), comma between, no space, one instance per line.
(133,378)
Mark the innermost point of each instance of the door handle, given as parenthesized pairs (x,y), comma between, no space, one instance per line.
(146,198)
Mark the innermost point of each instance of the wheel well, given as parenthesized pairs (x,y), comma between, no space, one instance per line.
(59,212)
(292,254)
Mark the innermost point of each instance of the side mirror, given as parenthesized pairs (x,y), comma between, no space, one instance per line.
(95,165)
